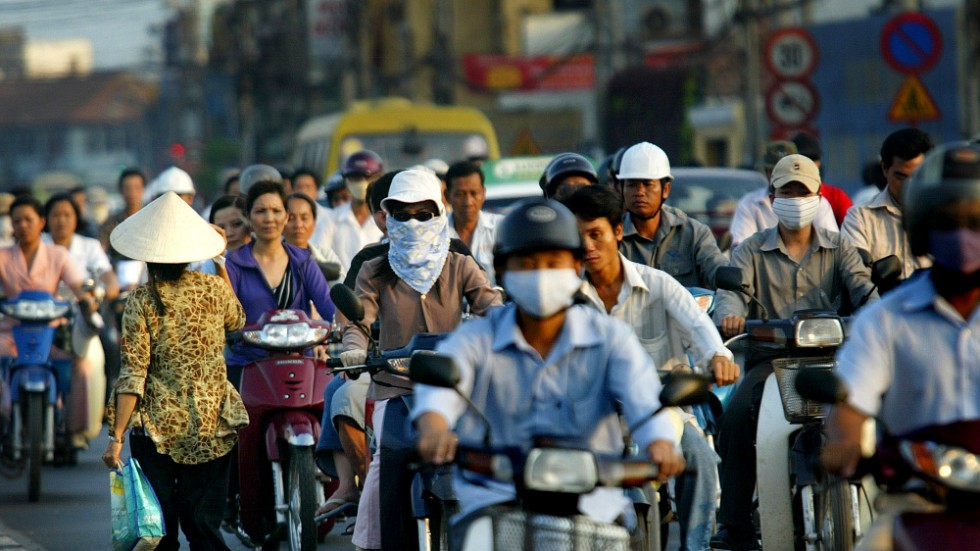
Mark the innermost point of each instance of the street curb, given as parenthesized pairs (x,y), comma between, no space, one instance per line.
(11,540)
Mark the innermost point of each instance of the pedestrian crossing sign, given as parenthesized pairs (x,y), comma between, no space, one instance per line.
(913,102)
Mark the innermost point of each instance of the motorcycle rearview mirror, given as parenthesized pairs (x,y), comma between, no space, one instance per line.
(347,302)
(432,368)
(886,269)
(865,257)
(331,271)
(685,389)
(821,385)
(729,278)
(680,389)
(886,274)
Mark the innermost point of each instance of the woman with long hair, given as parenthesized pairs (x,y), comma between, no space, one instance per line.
(173,389)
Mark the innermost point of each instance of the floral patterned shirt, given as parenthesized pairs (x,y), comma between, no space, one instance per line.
(175,366)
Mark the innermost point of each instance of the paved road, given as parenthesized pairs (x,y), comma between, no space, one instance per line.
(73,513)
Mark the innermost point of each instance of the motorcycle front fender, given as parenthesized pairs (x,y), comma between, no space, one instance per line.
(296,428)
(804,456)
(432,484)
(772,466)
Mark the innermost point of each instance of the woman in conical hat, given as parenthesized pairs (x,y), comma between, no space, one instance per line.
(173,389)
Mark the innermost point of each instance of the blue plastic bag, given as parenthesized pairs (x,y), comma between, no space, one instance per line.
(137,521)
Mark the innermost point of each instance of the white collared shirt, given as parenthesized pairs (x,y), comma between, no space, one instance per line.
(482,241)
(666,318)
(876,228)
(322,237)
(350,236)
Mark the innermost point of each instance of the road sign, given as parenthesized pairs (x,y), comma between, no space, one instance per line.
(791,103)
(911,43)
(913,102)
(791,53)
(525,144)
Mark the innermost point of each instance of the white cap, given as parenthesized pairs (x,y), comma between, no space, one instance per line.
(438,166)
(644,161)
(796,168)
(166,231)
(173,179)
(415,186)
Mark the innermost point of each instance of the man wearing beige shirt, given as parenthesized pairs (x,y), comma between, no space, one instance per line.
(790,267)
(876,227)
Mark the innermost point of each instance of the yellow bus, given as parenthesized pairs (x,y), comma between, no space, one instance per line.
(402,132)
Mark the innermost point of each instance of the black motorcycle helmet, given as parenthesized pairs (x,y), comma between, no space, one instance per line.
(566,164)
(364,163)
(536,224)
(254,174)
(949,173)
(617,162)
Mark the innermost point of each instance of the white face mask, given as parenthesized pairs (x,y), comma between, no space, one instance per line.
(796,212)
(542,293)
(357,188)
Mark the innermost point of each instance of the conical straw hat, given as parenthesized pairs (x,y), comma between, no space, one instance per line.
(167,231)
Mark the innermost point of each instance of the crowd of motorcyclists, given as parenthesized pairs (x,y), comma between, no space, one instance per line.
(580,302)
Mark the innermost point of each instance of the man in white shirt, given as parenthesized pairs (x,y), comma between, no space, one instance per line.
(354,227)
(667,320)
(876,227)
(466,191)
(754,210)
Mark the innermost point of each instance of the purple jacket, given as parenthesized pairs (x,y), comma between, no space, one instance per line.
(256,296)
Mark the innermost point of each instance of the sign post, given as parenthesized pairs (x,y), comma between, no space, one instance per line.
(792,102)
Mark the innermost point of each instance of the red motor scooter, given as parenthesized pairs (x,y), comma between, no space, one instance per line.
(283,393)
(945,457)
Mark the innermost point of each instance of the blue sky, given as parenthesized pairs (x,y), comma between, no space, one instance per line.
(120,30)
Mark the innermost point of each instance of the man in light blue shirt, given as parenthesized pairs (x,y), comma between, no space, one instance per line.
(541,366)
(912,359)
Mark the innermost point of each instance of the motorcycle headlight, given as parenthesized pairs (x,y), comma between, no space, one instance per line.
(286,335)
(399,366)
(952,466)
(561,470)
(34,310)
(819,332)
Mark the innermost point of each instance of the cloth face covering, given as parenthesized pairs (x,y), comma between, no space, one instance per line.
(797,212)
(418,250)
(357,187)
(958,250)
(542,293)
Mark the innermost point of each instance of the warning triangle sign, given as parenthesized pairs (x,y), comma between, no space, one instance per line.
(913,102)
(525,144)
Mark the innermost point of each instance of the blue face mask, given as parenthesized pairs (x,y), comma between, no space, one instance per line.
(957,250)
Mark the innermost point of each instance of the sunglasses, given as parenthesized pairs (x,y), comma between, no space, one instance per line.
(421,216)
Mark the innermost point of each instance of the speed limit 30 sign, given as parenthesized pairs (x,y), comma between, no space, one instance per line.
(791,53)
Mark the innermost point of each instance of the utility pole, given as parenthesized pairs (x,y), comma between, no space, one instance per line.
(609,58)
(752,63)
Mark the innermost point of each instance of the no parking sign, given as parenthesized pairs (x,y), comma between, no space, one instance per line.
(911,43)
